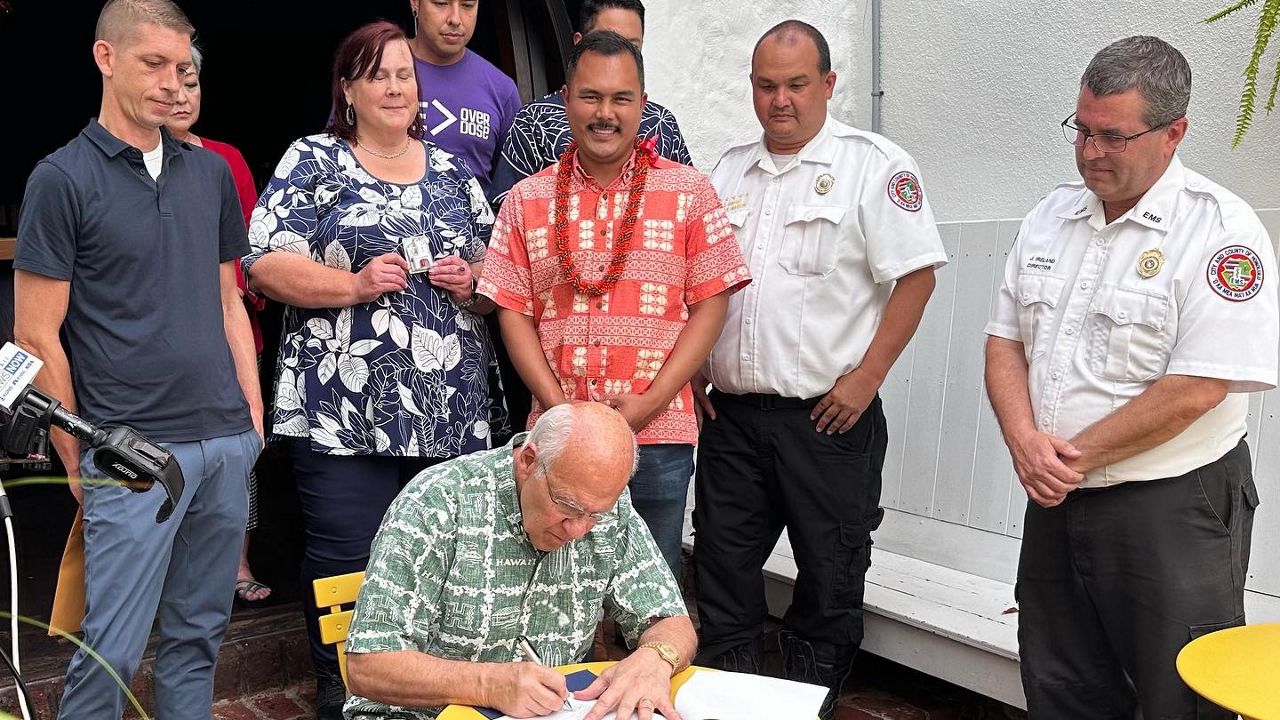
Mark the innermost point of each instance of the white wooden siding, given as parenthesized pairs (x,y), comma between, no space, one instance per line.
(947,464)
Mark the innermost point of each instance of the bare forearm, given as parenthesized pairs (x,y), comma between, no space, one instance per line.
(301,282)
(418,680)
(235,322)
(1006,379)
(706,320)
(1156,416)
(40,305)
(521,338)
(901,318)
(677,632)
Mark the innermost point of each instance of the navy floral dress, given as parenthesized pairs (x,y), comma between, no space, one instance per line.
(409,374)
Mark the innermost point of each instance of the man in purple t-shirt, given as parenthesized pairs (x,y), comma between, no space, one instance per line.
(467,104)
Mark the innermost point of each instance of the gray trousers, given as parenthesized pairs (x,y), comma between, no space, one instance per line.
(181,572)
(1113,582)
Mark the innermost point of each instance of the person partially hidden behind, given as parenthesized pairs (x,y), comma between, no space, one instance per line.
(532,540)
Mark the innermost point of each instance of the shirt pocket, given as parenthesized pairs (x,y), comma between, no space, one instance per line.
(1037,295)
(1128,334)
(809,239)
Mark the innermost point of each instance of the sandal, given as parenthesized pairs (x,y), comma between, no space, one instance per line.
(248,586)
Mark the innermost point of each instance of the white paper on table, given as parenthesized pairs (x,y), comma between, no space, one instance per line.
(579,710)
(740,696)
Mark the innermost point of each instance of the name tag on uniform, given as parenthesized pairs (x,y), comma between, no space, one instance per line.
(417,250)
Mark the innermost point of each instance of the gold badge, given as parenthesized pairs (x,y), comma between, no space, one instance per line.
(1150,263)
(824,183)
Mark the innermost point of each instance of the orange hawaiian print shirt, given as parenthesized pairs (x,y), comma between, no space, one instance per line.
(683,251)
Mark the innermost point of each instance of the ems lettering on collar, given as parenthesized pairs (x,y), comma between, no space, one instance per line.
(1235,273)
(905,191)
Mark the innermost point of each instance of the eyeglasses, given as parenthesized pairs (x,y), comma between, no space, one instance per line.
(568,508)
(1104,142)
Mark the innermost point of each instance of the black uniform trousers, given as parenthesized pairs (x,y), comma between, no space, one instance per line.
(1114,581)
(762,465)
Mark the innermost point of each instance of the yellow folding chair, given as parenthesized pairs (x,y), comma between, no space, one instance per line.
(333,593)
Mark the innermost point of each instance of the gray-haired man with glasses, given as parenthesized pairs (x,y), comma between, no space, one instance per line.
(524,542)
(1135,317)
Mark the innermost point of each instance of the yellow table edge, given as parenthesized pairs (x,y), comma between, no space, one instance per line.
(466,712)
(1236,668)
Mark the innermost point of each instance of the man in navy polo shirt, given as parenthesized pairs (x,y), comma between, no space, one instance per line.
(126,244)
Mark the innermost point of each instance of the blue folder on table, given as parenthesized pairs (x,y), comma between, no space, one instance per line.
(575,681)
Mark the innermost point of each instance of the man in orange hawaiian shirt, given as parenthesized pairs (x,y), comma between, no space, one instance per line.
(612,271)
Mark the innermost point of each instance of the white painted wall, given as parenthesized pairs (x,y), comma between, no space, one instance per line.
(975,89)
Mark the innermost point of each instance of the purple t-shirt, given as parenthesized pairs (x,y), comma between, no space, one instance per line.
(467,109)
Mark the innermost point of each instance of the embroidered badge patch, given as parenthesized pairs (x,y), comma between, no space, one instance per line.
(905,192)
(1235,273)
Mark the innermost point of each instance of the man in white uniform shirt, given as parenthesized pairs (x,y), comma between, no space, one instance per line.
(1135,316)
(842,244)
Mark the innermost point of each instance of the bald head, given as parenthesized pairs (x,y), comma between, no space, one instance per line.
(119,20)
(571,471)
(588,443)
(790,32)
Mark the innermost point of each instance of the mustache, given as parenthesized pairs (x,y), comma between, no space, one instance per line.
(604,126)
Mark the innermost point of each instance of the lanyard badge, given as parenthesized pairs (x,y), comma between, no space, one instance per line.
(417,250)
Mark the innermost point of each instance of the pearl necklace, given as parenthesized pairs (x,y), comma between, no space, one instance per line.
(384,156)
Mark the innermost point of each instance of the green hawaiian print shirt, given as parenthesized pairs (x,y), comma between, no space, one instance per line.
(452,574)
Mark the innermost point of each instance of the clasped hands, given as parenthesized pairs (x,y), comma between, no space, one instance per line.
(639,684)
(389,272)
(1044,465)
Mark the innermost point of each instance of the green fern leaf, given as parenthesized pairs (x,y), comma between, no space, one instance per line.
(1275,84)
(1242,4)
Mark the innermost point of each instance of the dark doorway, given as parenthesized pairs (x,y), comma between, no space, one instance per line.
(265,83)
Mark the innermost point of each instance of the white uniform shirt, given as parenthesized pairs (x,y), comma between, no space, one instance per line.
(1097,333)
(824,239)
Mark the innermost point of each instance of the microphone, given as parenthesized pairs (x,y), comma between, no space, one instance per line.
(121,453)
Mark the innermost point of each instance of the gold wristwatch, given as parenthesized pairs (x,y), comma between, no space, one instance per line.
(666,652)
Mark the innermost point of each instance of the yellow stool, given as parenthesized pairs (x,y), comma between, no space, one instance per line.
(1237,668)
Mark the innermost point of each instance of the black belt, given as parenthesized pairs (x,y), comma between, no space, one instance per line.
(764,401)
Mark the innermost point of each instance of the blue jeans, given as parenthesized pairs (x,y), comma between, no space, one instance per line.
(181,572)
(658,492)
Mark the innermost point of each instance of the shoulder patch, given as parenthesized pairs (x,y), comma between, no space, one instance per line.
(905,192)
(1235,273)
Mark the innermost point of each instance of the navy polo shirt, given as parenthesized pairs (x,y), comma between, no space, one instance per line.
(144,321)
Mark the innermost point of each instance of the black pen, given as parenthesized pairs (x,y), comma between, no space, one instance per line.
(532,656)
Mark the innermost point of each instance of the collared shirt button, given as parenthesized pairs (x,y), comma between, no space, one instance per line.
(748,321)
(746,356)
(1122,314)
(760,246)
(599,304)
(1057,375)
(1084,285)
(768,211)
(1070,331)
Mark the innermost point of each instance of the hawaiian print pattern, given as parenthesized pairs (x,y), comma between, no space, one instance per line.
(406,375)
(683,252)
(453,574)
(540,134)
